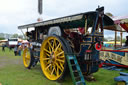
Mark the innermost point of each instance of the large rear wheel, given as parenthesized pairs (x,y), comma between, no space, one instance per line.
(52,58)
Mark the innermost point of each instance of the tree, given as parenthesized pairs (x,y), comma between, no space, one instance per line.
(2,38)
(105,39)
(124,40)
(20,36)
(118,38)
(2,35)
(110,38)
(14,36)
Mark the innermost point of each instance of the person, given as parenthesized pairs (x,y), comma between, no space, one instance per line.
(19,50)
(10,48)
(3,47)
(126,43)
(15,50)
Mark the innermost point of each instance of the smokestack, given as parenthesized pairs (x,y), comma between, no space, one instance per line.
(40,6)
(40,10)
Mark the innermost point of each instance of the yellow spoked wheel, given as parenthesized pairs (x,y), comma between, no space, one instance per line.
(52,58)
(26,58)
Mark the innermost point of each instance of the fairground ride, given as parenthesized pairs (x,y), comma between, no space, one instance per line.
(118,55)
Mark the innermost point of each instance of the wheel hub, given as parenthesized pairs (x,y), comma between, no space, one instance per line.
(52,57)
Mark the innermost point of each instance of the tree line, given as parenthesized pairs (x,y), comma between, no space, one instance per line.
(6,36)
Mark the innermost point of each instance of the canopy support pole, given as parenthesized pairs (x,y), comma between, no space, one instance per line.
(121,34)
(85,25)
(115,38)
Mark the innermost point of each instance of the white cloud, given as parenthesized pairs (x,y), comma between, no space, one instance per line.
(18,12)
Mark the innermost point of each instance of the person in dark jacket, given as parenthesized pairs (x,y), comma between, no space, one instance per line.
(3,47)
(15,50)
(126,43)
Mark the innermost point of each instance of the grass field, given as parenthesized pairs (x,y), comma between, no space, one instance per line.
(12,72)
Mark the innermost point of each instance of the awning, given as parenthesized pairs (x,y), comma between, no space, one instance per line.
(120,24)
(122,21)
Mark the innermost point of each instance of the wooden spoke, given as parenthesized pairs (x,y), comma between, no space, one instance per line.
(60,60)
(50,49)
(53,44)
(62,66)
(47,66)
(47,54)
(47,50)
(49,44)
(61,56)
(53,70)
(62,52)
(58,66)
(57,47)
(46,59)
(57,71)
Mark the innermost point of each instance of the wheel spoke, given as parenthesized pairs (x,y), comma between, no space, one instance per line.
(60,60)
(62,66)
(57,47)
(51,67)
(61,56)
(53,70)
(50,46)
(47,66)
(47,50)
(47,54)
(53,44)
(60,53)
(60,48)
(46,59)
(57,71)
(59,67)
(48,62)
(27,61)
(50,49)
(27,56)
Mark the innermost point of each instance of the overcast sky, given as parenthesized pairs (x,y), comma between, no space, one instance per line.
(19,12)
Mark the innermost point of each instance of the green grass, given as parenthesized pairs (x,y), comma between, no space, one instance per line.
(12,72)
(7,53)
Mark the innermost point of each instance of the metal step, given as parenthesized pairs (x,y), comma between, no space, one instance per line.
(71,58)
(76,74)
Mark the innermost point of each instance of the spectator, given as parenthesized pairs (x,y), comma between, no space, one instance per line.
(15,50)
(3,47)
(126,43)
(10,48)
(19,50)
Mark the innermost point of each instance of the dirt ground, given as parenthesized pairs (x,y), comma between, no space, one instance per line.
(8,58)
(4,61)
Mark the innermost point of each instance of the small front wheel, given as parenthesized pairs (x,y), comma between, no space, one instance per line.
(28,58)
